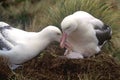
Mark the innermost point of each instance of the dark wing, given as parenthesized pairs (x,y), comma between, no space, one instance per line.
(3,45)
(103,34)
(5,27)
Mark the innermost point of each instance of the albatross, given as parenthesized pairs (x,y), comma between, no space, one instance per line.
(20,46)
(83,35)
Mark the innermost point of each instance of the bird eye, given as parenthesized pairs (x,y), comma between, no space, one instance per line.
(58,33)
(67,28)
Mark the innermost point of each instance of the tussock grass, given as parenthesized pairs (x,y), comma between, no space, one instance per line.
(26,15)
(97,8)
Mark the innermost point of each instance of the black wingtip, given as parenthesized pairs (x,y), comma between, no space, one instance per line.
(104,34)
(109,30)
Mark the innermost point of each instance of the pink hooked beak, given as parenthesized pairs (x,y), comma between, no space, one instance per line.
(63,40)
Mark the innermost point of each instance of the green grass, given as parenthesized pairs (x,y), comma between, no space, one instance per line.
(25,14)
(97,8)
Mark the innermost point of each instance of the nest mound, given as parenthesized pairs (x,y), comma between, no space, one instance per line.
(49,67)
(102,67)
(5,71)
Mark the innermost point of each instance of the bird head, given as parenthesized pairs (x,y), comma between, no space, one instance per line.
(53,33)
(68,26)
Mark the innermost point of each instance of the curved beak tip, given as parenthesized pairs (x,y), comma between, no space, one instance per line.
(61,45)
(63,39)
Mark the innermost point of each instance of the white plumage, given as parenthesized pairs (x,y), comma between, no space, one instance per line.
(23,45)
(83,34)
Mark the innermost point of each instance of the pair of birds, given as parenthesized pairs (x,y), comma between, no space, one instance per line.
(82,35)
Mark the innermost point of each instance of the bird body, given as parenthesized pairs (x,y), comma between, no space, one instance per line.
(27,45)
(83,34)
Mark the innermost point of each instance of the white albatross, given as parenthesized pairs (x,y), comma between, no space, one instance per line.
(20,46)
(84,34)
